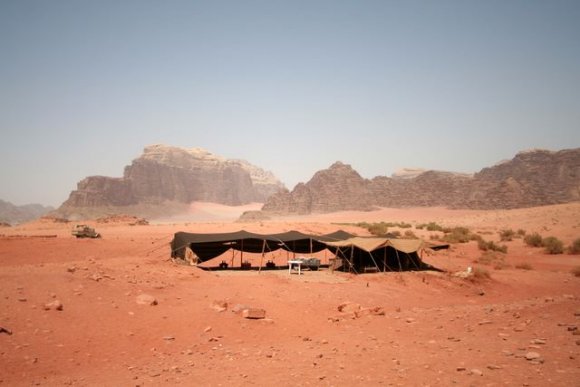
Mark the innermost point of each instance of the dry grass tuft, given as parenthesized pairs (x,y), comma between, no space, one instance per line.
(524,266)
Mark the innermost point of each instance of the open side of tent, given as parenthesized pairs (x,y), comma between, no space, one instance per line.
(360,255)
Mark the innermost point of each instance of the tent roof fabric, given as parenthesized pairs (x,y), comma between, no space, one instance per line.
(208,246)
(371,244)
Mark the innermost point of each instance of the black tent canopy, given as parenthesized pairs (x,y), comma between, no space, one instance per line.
(208,246)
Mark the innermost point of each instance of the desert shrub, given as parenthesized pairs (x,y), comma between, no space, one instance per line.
(457,235)
(481,273)
(378,229)
(409,235)
(431,226)
(574,248)
(553,245)
(521,233)
(534,240)
(490,245)
(500,265)
(394,234)
(524,266)
(506,235)
(489,258)
(576,271)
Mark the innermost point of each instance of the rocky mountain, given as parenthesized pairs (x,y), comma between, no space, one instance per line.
(531,178)
(12,214)
(170,174)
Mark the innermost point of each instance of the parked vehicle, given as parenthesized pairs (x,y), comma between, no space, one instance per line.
(84,231)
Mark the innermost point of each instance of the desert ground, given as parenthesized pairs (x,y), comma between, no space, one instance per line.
(519,327)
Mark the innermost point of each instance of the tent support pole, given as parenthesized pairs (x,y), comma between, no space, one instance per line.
(398,260)
(375,262)
(262,258)
(412,260)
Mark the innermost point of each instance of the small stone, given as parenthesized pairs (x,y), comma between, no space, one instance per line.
(476,372)
(349,307)
(219,305)
(145,299)
(207,329)
(460,368)
(410,320)
(532,356)
(572,328)
(168,338)
(5,330)
(22,299)
(494,367)
(53,305)
(538,341)
(254,313)
(485,322)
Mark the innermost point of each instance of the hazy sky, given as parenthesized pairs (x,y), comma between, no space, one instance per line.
(291,86)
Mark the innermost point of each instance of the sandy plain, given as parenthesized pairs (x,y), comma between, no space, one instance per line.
(436,330)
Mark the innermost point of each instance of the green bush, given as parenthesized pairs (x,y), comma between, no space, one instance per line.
(431,226)
(521,233)
(574,247)
(491,246)
(524,266)
(378,229)
(506,235)
(534,240)
(553,245)
(457,235)
(410,235)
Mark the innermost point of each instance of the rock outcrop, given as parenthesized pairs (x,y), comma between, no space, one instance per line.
(171,174)
(531,178)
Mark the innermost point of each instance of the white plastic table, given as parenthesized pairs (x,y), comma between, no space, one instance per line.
(297,263)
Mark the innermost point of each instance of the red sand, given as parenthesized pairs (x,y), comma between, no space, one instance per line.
(436,330)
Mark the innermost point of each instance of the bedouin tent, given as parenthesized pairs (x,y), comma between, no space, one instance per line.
(208,246)
(359,254)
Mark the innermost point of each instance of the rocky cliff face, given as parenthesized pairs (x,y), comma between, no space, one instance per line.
(532,178)
(164,173)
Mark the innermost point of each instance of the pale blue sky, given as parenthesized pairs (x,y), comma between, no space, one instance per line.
(291,86)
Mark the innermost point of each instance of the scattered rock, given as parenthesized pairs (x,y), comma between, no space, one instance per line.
(219,305)
(460,368)
(53,305)
(96,277)
(376,311)
(9,332)
(572,328)
(207,329)
(22,299)
(494,367)
(168,338)
(532,356)
(239,308)
(349,307)
(476,372)
(410,320)
(485,322)
(254,313)
(145,299)
(538,341)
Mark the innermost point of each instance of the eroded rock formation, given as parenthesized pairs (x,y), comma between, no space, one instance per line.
(531,178)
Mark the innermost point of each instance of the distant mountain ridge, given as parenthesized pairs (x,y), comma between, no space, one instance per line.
(13,214)
(531,178)
(166,174)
